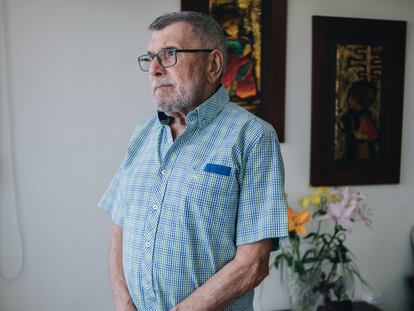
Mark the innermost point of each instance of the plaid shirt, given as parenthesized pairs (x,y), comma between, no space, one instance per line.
(185,205)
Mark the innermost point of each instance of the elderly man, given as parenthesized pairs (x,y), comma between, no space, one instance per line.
(198,203)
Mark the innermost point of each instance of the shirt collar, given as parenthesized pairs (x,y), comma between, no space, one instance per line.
(164,119)
(205,112)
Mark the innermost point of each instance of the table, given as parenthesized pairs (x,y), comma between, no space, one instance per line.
(356,306)
(410,282)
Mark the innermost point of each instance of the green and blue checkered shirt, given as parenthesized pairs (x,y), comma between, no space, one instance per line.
(186,205)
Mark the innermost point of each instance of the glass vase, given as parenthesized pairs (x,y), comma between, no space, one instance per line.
(303,292)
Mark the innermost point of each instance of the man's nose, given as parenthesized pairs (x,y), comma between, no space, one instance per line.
(155,68)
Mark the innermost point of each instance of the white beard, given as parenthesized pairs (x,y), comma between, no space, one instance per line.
(173,98)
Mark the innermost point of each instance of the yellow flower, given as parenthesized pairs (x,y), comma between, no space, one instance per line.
(297,221)
(315,197)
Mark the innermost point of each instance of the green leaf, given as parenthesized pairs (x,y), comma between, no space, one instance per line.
(310,235)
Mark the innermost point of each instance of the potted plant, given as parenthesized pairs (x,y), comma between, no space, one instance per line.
(319,263)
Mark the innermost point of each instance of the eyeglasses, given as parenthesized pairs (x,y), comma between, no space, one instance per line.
(166,58)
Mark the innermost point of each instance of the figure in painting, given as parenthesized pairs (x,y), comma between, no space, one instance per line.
(357,123)
(239,78)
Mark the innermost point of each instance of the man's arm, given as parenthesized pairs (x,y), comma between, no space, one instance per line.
(247,270)
(123,301)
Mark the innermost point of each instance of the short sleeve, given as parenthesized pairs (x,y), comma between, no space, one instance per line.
(262,210)
(111,201)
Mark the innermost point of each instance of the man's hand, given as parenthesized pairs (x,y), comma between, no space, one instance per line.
(247,270)
(122,299)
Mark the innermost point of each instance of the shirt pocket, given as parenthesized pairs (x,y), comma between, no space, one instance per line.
(211,206)
(212,180)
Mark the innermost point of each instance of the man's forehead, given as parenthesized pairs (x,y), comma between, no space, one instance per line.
(178,35)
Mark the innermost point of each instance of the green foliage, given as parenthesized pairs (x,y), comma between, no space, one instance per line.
(321,249)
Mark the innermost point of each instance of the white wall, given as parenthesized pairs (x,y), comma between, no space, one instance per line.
(76,94)
(383,256)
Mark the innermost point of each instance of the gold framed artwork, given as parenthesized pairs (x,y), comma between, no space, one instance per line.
(256,38)
(357,100)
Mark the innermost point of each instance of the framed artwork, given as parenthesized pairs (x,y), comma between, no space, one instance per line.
(256,37)
(357,101)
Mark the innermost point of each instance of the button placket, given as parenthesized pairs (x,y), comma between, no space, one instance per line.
(151,228)
(152,219)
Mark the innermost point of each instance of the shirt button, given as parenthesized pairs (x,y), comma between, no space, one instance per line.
(147,285)
(163,172)
(154,207)
(147,244)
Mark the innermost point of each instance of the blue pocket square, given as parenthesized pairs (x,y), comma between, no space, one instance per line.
(218,169)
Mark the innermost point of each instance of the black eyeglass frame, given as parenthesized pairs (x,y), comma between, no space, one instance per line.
(175,55)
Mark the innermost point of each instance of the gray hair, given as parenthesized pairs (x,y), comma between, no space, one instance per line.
(205,28)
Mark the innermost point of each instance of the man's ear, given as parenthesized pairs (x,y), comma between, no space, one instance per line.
(215,66)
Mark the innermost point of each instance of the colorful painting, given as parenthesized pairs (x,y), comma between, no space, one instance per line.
(241,22)
(256,37)
(359,71)
(357,100)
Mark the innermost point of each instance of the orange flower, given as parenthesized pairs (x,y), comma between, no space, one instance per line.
(297,221)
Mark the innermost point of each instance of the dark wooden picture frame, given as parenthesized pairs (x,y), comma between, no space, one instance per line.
(273,59)
(342,151)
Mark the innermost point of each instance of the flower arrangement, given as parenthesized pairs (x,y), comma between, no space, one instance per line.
(334,212)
